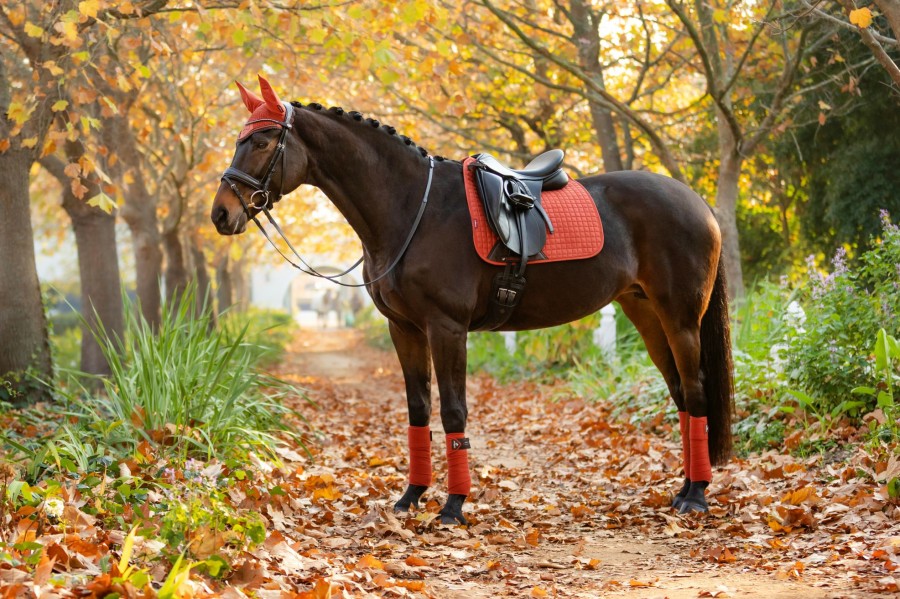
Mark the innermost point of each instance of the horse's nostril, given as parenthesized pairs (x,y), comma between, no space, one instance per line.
(220,216)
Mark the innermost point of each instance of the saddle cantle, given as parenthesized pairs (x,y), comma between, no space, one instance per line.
(512,200)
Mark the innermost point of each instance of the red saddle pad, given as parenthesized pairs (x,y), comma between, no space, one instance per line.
(577,230)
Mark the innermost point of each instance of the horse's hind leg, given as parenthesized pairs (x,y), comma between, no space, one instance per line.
(415,361)
(680,315)
(640,312)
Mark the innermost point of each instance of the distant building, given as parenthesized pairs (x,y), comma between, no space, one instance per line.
(313,302)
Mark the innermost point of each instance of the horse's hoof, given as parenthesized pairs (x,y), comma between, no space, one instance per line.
(679,497)
(695,499)
(451,513)
(410,498)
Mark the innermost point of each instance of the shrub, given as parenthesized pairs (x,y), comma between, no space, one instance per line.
(268,331)
(374,328)
(845,311)
(187,388)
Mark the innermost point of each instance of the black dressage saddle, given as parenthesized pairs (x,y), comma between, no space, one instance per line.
(512,203)
(512,199)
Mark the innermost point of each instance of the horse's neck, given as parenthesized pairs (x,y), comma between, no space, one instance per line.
(370,177)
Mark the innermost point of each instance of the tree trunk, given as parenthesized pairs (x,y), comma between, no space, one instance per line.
(242,289)
(727,191)
(139,212)
(177,277)
(101,287)
(98,266)
(891,11)
(586,37)
(224,292)
(24,344)
(201,275)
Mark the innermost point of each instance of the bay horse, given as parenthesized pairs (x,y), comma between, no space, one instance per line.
(661,263)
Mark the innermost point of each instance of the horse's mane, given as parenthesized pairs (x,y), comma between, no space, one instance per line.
(352,115)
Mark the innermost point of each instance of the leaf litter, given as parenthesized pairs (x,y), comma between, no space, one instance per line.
(567,501)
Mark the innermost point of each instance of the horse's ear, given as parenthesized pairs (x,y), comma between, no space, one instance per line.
(251,100)
(269,95)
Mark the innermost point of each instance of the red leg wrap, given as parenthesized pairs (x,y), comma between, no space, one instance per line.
(683,420)
(700,467)
(419,455)
(459,481)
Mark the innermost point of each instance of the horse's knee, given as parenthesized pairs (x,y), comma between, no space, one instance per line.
(419,413)
(453,418)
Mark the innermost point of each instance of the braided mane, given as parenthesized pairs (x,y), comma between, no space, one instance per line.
(338,112)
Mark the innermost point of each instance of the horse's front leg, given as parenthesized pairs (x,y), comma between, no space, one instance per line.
(447,341)
(415,361)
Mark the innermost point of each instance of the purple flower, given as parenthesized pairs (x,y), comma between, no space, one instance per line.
(840,261)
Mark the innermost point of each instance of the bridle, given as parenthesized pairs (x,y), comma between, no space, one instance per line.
(261,187)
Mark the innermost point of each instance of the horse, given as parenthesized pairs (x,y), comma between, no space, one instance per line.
(661,262)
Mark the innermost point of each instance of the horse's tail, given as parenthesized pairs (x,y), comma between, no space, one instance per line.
(717,367)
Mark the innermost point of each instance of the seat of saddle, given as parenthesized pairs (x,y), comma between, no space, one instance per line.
(577,229)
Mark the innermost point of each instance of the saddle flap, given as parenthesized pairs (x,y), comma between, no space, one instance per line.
(521,229)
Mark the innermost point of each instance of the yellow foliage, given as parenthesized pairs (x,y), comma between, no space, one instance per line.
(861,17)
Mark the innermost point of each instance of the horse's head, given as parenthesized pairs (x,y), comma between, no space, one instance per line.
(267,163)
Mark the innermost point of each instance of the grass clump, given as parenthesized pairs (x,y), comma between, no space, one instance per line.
(187,389)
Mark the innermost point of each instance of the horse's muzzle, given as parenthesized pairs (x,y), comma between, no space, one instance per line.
(226,225)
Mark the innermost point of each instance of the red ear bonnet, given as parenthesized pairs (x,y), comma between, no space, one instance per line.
(267,107)
(251,100)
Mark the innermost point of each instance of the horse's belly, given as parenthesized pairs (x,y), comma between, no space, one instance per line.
(558,293)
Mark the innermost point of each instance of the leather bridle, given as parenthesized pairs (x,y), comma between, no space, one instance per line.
(261,187)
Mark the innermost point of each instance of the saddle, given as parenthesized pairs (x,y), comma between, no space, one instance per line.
(512,205)
(512,200)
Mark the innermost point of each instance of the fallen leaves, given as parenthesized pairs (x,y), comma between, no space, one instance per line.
(568,500)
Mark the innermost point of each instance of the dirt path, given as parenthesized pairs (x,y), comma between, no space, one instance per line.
(565,503)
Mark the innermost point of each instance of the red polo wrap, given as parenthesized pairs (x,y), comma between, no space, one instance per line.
(701,470)
(419,455)
(683,420)
(459,481)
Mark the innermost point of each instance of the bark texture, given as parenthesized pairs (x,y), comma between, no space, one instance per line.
(24,343)
(139,212)
(585,23)
(98,268)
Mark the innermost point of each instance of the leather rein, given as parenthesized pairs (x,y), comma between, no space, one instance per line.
(261,187)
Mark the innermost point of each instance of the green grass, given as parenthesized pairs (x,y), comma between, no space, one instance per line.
(188,389)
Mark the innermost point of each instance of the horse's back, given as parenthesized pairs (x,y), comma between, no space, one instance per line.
(656,211)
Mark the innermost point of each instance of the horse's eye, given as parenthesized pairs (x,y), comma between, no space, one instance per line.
(261,145)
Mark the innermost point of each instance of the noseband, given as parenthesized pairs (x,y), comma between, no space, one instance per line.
(261,187)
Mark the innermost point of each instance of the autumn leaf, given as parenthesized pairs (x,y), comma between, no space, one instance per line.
(369,562)
(101,201)
(18,112)
(68,29)
(861,17)
(89,8)
(59,105)
(32,30)
(414,561)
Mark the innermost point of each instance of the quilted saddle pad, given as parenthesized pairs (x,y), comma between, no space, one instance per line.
(577,230)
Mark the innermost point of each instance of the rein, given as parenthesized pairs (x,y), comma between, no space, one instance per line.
(261,187)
